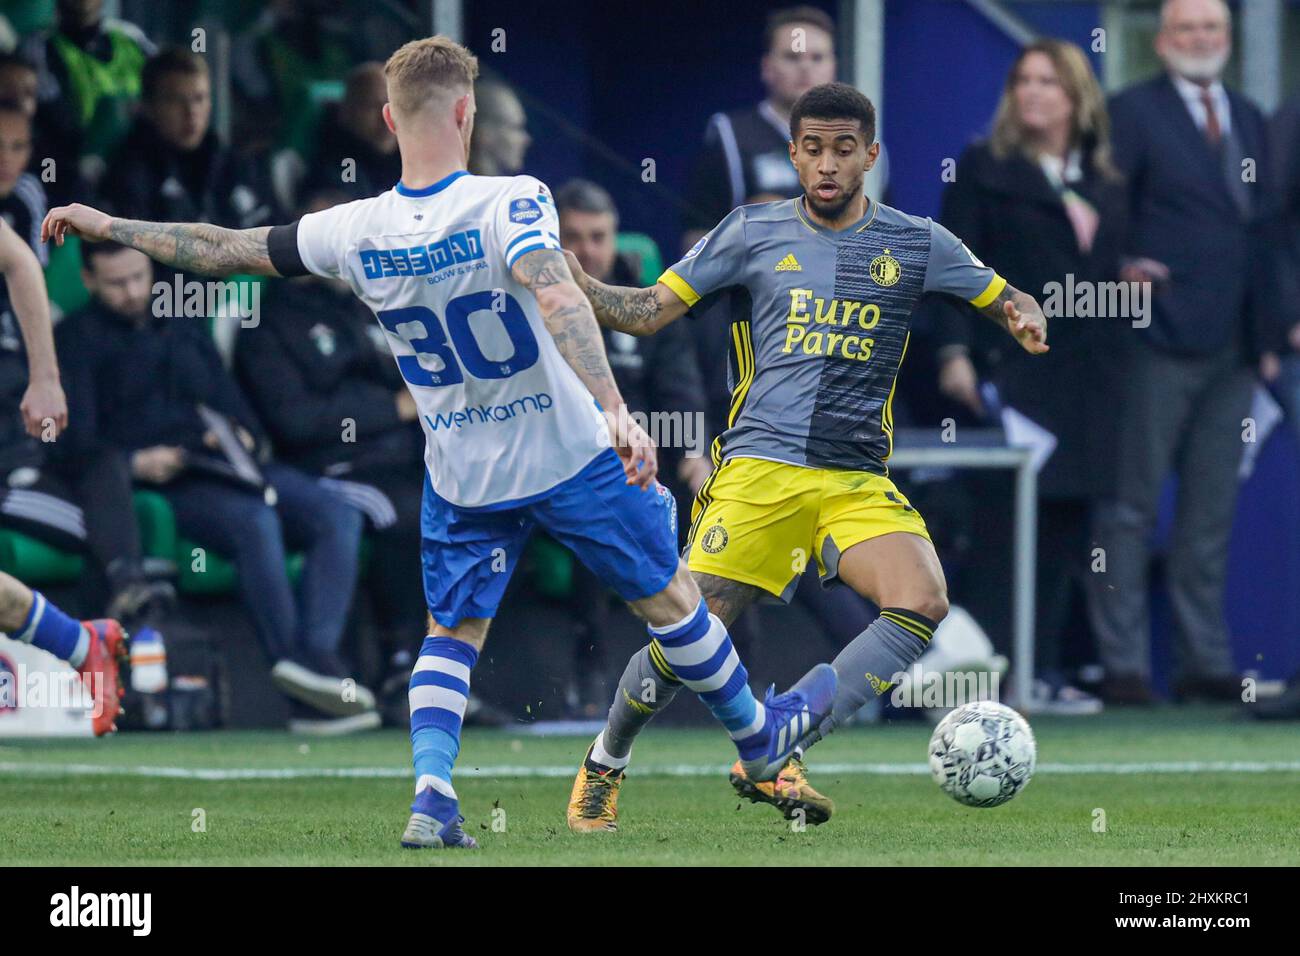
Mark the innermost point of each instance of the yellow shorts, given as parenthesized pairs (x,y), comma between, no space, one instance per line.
(758,521)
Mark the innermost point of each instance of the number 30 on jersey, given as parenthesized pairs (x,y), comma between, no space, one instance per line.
(440,360)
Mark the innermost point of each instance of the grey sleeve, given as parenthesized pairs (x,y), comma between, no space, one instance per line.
(713,263)
(953,269)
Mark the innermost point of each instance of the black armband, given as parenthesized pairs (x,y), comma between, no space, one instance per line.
(282,247)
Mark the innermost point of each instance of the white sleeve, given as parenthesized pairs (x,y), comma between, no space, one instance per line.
(526,219)
(323,239)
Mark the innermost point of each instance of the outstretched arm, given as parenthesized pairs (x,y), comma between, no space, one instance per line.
(569,319)
(1018,313)
(44,400)
(190,246)
(634,311)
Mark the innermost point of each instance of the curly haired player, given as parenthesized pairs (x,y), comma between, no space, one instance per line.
(820,291)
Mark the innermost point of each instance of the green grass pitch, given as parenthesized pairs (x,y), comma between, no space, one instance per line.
(1172,787)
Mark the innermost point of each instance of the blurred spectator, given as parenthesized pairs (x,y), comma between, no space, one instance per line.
(746,156)
(655,374)
(501,137)
(88,72)
(18,83)
(1180,139)
(172,167)
(278,65)
(355,134)
(18,86)
(155,388)
(1041,201)
(320,374)
(22,198)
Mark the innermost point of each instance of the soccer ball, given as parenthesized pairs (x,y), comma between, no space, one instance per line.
(982,754)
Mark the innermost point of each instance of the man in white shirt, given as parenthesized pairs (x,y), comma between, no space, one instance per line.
(505,362)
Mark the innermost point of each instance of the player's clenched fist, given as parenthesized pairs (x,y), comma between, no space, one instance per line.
(84,221)
(44,405)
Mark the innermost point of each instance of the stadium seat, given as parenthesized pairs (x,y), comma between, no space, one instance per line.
(63,276)
(157,524)
(36,562)
(218,576)
(32,560)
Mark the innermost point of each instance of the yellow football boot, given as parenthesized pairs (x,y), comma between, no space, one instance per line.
(593,804)
(790,792)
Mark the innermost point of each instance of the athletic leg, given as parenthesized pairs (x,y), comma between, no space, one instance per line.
(648,684)
(467,559)
(438,694)
(901,574)
(624,536)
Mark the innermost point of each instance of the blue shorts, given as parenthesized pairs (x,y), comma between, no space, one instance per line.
(626,536)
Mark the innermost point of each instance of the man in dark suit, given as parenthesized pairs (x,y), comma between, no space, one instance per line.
(1191,151)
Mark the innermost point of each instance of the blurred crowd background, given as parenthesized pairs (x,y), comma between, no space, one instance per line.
(243,493)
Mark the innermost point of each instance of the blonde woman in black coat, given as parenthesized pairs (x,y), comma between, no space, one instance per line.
(1043,204)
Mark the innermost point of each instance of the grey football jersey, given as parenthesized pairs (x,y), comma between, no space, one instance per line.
(820,323)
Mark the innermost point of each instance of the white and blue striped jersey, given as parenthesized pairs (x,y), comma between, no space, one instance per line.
(505,418)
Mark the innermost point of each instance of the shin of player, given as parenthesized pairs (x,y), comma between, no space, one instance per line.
(438,695)
(695,646)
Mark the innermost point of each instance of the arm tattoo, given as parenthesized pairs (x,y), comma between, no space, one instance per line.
(634,311)
(994,310)
(542,269)
(197,246)
(570,321)
(578,338)
(726,598)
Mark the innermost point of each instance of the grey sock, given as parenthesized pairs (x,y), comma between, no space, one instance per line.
(866,667)
(644,689)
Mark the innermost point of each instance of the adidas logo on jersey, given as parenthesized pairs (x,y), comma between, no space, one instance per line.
(789,264)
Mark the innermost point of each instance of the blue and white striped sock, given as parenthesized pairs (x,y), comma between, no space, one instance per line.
(700,653)
(438,694)
(51,630)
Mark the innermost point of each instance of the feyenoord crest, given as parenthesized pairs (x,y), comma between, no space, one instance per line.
(715,539)
(885,269)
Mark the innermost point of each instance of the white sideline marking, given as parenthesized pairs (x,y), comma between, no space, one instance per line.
(650,770)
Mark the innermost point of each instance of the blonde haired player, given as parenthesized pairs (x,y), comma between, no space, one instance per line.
(505,362)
